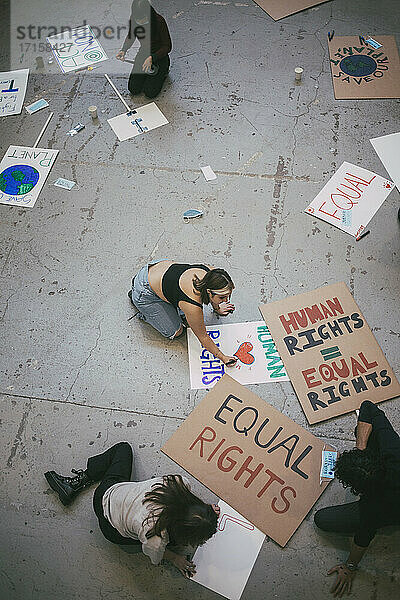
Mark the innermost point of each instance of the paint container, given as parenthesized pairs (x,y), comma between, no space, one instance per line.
(39,62)
(93,112)
(298,73)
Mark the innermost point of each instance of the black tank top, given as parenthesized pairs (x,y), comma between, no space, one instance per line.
(170,284)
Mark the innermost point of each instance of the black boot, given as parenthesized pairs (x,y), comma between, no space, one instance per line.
(68,487)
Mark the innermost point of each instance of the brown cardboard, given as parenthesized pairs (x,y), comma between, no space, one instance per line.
(278,9)
(231,416)
(381,68)
(359,363)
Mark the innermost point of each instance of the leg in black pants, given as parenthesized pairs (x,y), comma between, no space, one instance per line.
(153,83)
(113,466)
(344,518)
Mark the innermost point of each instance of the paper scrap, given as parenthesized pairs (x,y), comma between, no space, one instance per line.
(38,105)
(208,173)
(66,184)
(329,458)
(373,43)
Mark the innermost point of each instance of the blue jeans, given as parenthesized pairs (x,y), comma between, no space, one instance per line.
(159,314)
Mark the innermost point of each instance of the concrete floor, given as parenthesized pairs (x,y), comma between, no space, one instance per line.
(78,374)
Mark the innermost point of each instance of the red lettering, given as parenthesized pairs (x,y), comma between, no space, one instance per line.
(308,376)
(314,314)
(335,306)
(272,477)
(287,323)
(326,311)
(356,367)
(202,439)
(217,447)
(285,500)
(232,463)
(362,181)
(342,371)
(301,317)
(367,364)
(329,214)
(253,472)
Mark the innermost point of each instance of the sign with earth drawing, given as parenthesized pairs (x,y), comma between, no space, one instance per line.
(360,71)
(23,172)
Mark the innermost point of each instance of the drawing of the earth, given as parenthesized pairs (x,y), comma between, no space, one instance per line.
(18,179)
(358,65)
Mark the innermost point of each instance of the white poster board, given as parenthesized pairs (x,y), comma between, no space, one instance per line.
(252,344)
(138,121)
(23,172)
(224,562)
(76,49)
(387,148)
(350,198)
(12,91)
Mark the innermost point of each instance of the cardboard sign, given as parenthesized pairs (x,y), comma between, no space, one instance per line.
(359,71)
(278,9)
(251,343)
(350,198)
(256,459)
(76,49)
(224,562)
(12,91)
(387,148)
(141,120)
(330,353)
(23,172)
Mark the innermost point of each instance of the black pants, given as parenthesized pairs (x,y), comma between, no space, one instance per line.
(344,518)
(149,84)
(113,466)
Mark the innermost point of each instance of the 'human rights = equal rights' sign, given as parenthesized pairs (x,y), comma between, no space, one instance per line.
(329,352)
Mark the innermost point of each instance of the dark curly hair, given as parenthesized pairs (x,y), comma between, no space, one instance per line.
(360,470)
(186,518)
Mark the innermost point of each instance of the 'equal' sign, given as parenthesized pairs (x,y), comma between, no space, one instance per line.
(329,353)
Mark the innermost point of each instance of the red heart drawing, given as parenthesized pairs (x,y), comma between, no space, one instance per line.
(243,353)
(388,185)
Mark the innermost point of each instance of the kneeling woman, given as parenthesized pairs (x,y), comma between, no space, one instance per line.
(161,513)
(167,293)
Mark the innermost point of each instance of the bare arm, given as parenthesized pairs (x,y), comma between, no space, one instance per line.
(363,433)
(195,319)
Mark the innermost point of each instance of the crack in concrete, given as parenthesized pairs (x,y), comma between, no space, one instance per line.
(128,411)
(6,305)
(18,437)
(85,361)
(269,176)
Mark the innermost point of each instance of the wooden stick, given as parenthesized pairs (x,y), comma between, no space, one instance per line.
(43,130)
(117,92)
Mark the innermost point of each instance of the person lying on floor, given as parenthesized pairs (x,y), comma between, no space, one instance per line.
(170,295)
(372,471)
(151,64)
(161,513)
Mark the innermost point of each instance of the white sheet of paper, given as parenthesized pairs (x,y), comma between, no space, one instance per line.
(76,49)
(144,119)
(258,359)
(350,198)
(387,148)
(12,91)
(23,172)
(208,173)
(224,562)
